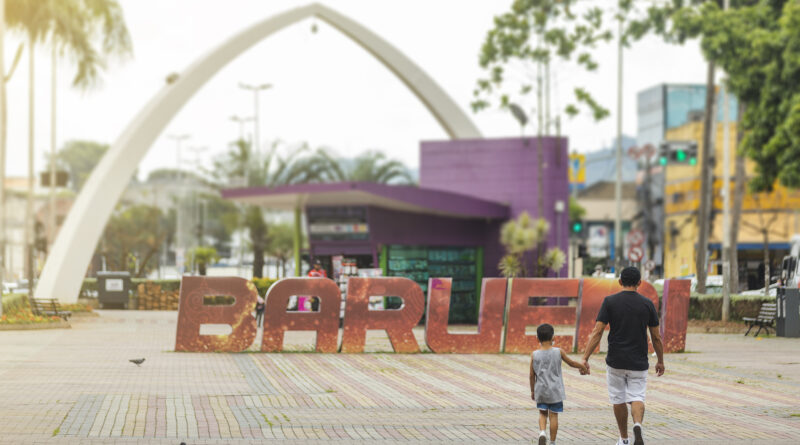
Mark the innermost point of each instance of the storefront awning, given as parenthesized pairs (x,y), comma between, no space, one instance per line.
(394,197)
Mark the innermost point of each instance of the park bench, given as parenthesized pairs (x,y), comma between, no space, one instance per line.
(49,307)
(764,320)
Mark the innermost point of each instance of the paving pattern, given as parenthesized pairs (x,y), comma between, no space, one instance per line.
(77,386)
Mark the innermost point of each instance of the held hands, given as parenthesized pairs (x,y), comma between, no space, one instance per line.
(660,369)
(585,369)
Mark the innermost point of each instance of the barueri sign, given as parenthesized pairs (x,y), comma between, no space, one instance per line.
(398,323)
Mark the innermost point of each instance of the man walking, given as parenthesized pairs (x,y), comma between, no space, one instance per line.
(630,315)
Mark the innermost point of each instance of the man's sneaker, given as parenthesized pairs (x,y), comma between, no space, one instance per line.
(623,442)
(542,439)
(637,435)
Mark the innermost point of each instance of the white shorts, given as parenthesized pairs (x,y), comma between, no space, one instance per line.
(626,386)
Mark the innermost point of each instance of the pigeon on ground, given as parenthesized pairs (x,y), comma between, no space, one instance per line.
(137,361)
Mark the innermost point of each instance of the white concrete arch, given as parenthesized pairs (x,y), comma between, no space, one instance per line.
(73,248)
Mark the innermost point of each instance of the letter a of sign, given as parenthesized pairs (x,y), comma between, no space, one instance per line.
(398,323)
(192,313)
(325,322)
(490,323)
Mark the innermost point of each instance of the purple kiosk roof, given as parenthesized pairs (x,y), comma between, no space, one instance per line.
(394,197)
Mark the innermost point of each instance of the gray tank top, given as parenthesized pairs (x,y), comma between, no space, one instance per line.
(549,387)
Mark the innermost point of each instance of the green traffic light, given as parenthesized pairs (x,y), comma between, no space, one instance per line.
(680,155)
(662,160)
(576,227)
(693,161)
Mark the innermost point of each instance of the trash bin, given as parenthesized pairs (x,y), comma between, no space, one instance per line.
(113,289)
(788,314)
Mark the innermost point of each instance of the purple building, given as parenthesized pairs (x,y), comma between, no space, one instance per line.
(448,226)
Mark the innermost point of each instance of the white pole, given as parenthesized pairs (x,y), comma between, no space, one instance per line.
(726,201)
(51,232)
(31,174)
(618,185)
(2,153)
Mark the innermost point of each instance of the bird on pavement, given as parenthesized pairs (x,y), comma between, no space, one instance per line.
(137,361)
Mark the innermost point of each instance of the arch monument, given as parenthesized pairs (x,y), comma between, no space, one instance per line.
(73,248)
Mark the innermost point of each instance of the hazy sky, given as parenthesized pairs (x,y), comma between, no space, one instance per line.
(327,90)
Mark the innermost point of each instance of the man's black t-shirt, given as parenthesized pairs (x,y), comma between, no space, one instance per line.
(629,314)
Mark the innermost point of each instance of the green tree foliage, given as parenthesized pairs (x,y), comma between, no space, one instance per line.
(535,32)
(757,44)
(87,31)
(576,211)
(79,158)
(371,166)
(203,256)
(280,244)
(132,239)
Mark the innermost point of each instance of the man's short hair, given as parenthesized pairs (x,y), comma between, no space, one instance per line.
(630,276)
(545,332)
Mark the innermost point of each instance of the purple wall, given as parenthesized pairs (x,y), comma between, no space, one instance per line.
(502,170)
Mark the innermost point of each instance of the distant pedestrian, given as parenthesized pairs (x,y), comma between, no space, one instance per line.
(260,305)
(312,303)
(630,316)
(547,385)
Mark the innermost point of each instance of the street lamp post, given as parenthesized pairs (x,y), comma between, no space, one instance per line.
(256,89)
(179,241)
(241,121)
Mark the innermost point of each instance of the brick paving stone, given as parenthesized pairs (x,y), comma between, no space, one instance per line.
(76,386)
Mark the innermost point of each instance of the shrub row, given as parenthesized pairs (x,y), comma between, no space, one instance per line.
(158,294)
(709,307)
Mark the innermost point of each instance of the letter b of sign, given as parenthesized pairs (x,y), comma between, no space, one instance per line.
(193,312)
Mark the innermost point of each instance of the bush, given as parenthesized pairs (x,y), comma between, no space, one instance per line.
(89,288)
(262,284)
(709,307)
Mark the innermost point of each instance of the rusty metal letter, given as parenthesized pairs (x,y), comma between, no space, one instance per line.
(192,313)
(521,314)
(490,322)
(675,314)
(398,323)
(277,320)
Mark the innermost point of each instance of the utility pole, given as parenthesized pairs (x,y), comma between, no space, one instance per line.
(704,211)
(256,89)
(618,185)
(726,201)
(29,223)
(179,240)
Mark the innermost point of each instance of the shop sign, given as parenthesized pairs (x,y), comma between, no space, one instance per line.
(588,294)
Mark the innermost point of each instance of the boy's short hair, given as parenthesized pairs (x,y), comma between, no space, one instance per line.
(630,276)
(545,332)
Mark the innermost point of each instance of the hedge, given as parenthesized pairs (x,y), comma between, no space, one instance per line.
(89,287)
(709,307)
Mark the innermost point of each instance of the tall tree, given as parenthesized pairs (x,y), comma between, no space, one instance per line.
(757,44)
(133,238)
(79,158)
(73,26)
(278,166)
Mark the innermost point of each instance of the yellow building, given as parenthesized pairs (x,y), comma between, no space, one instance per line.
(775,214)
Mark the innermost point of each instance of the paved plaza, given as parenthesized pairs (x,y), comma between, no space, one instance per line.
(77,386)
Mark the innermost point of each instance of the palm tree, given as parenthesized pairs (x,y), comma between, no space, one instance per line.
(278,166)
(371,166)
(72,26)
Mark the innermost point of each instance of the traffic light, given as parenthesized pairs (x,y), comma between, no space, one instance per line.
(677,152)
(582,251)
(577,227)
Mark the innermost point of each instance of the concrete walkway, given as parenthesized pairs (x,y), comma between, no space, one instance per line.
(77,386)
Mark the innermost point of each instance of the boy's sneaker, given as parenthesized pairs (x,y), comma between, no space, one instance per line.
(623,442)
(542,439)
(637,435)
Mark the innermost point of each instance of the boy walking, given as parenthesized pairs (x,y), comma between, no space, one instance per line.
(547,386)
(630,316)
